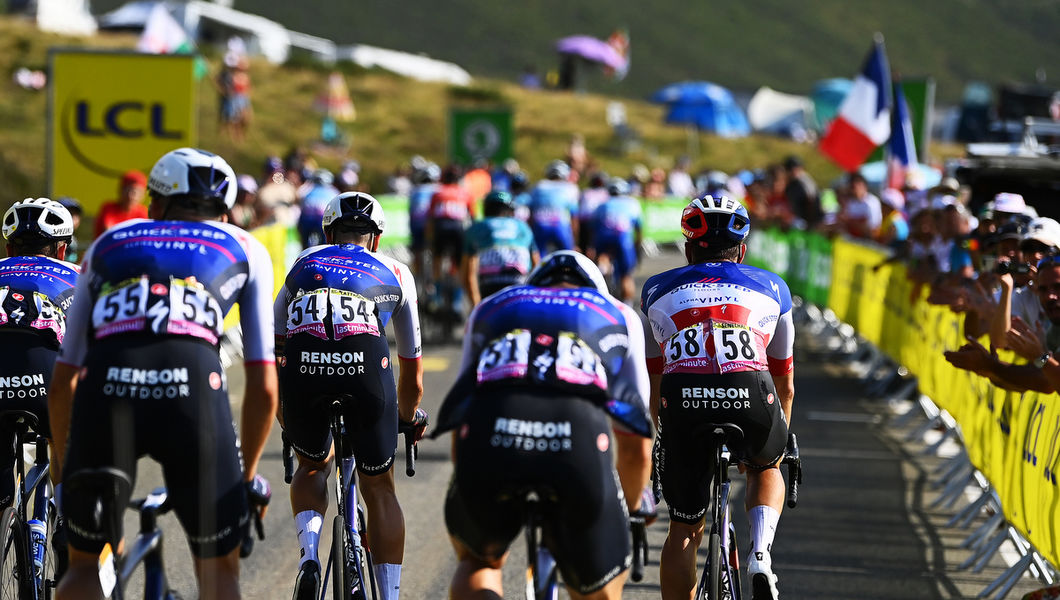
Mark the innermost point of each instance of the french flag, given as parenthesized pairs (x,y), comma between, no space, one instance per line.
(901,151)
(864,120)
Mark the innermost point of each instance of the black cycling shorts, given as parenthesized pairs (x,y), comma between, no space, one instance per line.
(315,371)
(691,401)
(448,239)
(166,398)
(26,362)
(559,446)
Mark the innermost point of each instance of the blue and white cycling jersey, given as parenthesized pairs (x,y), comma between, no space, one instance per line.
(576,341)
(420,204)
(336,291)
(616,220)
(172,278)
(719,318)
(35,293)
(552,203)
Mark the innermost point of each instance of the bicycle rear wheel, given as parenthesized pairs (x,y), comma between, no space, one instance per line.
(340,580)
(364,558)
(16,580)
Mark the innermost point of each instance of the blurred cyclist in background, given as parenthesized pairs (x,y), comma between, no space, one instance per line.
(314,196)
(424,184)
(616,227)
(590,199)
(451,212)
(499,250)
(553,204)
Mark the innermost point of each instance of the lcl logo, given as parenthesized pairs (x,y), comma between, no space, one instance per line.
(86,124)
(126,119)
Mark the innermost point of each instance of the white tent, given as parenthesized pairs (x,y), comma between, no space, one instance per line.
(403,63)
(776,112)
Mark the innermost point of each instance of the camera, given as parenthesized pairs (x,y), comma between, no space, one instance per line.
(1018,268)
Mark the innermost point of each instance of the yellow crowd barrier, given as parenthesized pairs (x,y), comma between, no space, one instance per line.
(1012,438)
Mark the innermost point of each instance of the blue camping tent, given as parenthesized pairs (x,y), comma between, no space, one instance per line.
(705,105)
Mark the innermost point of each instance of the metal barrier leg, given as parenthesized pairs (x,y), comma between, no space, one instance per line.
(923,428)
(934,448)
(981,533)
(1007,580)
(965,516)
(953,491)
(990,549)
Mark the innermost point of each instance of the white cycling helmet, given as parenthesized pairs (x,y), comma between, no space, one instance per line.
(567,266)
(194,172)
(557,169)
(358,207)
(39,217)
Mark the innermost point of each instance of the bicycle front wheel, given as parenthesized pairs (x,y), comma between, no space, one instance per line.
(340,580)
(16,580)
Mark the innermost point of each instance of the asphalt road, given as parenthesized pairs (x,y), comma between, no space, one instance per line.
(864,527)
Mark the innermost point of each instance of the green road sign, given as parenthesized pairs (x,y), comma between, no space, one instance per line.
(477,133)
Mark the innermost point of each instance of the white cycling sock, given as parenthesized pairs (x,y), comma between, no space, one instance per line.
(308,523)
(764,521)
(388,576)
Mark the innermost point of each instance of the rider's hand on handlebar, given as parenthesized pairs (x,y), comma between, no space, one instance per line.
(418,424)
(259,492)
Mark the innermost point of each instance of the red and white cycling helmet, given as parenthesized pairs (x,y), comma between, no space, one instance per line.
(715,222)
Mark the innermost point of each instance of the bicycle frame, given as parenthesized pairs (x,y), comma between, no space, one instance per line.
(33,484)
(541,578)
(727,569)
(349,508)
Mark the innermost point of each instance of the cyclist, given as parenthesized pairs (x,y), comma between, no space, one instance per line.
(617,236)
(544,364)
(36,289)
(139,371)
(723,354)
(330,318)
(425,183)
(452,210)
(498,250)
(553,203)
(590,199)
(314,196)
(519,188)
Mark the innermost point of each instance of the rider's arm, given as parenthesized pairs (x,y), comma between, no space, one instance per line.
(469,271)
(68,366)
(633,452)
(780,355)
(407,334)
(260,396)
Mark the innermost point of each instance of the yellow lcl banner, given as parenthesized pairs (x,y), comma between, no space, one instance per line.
(1012,438)
(111,112)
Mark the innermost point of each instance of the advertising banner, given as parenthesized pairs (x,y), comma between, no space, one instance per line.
(111,112)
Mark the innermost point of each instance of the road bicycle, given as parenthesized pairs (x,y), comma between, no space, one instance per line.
(112,488)
(720,579)
(29,564)
(350,562)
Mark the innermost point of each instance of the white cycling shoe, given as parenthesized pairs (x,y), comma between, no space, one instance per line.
(763,580)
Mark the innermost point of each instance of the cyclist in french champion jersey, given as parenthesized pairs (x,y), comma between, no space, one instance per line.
(139,371)
(723,354)
(36,289)
(553,204)
(498,250)
(330,334)
(544,366)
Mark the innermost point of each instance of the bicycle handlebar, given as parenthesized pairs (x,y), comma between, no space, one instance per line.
(259,493)
(413,432)
(288,459)
(794,463)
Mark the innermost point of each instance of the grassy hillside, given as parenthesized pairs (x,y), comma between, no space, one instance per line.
(742,45)
(396,118)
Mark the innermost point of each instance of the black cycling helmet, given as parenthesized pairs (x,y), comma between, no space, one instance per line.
(497,202)
(355,208)
(715,222)
(567,266)
(39,218)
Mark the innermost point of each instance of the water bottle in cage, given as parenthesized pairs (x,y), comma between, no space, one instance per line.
(38,534)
